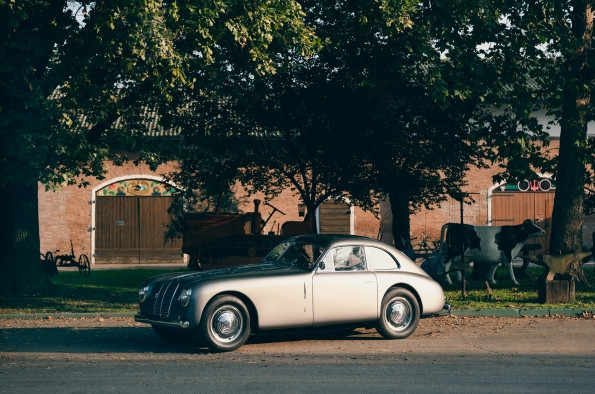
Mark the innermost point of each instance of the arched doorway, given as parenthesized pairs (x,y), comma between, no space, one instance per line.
(130,216)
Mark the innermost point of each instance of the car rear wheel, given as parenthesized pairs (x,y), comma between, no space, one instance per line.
(170,334)
(399,314)
(225,324)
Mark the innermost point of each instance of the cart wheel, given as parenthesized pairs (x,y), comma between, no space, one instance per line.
(49,257)
(84,265)
(194,262)
(49,264)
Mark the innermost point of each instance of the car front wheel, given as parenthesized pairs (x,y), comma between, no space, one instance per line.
(399,314)
(225,324)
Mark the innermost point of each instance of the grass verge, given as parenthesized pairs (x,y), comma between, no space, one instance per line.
(116,291)
(102,291)
(505,295)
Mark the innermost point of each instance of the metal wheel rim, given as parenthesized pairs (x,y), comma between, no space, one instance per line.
(227,324)
(399,314)
(84,265)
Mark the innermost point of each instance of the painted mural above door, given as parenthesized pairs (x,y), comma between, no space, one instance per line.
(533,185)
(136,187)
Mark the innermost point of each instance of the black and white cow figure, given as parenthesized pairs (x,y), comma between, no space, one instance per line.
(485,245)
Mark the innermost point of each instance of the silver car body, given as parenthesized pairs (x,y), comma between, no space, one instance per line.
(283,295)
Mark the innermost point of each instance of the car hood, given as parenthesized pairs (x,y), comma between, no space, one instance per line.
(245,271)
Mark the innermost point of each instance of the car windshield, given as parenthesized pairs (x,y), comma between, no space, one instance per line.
(301,255)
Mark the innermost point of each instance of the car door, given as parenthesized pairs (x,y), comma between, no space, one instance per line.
(343,289)
(282,301)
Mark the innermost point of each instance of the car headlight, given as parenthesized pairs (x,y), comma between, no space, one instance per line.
(185,297)
(143,293)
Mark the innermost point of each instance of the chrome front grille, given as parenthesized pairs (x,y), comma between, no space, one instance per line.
(164,298)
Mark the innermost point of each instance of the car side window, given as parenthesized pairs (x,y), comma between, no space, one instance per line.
(349,258)
(379,259)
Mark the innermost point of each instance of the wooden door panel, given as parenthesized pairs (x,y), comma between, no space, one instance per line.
(335,218)
(510,208)
(116,223)
(154,222)
(131,230)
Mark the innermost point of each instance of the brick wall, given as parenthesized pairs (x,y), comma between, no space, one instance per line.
(479,183)
(430,221)
(65,215)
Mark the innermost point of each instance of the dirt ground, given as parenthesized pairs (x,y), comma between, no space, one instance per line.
(446,334)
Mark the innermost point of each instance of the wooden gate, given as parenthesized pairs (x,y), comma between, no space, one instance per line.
(131,230)
(510,208)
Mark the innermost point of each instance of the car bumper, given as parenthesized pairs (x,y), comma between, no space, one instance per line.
(148,320)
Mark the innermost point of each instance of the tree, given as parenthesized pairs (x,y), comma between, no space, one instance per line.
(578,76)
(368,115)
(30,32)
(433,77)
(77,76)
(533,54)
(389,95)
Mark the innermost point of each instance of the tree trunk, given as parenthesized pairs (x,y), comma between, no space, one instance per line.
(567,216)
(20,267)
(399,205)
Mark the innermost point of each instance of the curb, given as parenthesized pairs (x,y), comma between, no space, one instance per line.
(512,313)
(539,312)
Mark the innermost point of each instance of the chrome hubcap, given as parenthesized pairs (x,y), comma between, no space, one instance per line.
(227,324)
(399,313)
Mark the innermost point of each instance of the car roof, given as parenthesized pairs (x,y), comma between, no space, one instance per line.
(328,239)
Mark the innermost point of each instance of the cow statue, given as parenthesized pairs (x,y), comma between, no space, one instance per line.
(485,245)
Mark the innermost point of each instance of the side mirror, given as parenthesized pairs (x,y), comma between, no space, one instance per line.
(321,266)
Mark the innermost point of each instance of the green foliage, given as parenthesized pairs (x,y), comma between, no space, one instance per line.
(81,78)
(372,109)
(84,82)
(519,57)
(335,99)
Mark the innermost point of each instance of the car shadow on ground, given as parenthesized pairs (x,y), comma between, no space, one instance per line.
(144,340)
(332,333)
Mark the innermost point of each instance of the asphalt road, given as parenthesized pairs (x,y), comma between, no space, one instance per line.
(446,355)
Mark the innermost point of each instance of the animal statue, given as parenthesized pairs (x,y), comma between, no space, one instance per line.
(558,264)
(297,227)
(485,245)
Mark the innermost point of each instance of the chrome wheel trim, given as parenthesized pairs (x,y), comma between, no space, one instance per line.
(399,313)
(227,324)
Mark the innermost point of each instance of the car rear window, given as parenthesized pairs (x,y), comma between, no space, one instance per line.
(379,259)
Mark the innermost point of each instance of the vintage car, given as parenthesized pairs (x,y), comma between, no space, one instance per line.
(309,280)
